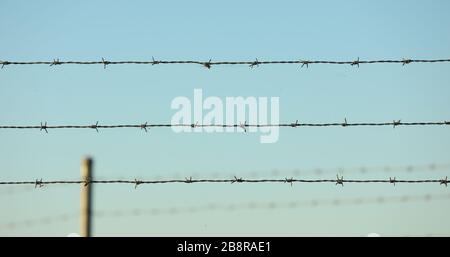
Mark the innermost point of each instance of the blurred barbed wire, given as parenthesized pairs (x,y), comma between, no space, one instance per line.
(229,207)
(412,168)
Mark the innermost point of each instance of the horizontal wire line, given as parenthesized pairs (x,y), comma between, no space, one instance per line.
(137,182)
(243,126)
(273,205)
(210,63)
(323,171)
(432,167)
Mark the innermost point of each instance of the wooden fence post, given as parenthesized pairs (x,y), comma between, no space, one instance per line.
(86,198)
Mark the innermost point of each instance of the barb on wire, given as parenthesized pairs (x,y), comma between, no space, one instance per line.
(444,182)
(193,125)
(95,126)
(243,126)
(339,181)
(154,62)
(210,63)
(207,64)
(44,127)
(392,180)
(235,179)
(55,62)
(305,63)
(355,63)
(144,127)
(255,63)
(406,61)
(4,63)
(86,182)
(290,181)
(105,63)
(137,183)
(38,183)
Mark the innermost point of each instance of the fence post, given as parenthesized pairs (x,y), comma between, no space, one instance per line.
(86,198)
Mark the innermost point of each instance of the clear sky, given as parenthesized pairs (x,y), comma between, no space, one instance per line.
(228,30)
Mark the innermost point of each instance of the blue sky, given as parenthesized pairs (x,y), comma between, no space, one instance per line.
(231,30)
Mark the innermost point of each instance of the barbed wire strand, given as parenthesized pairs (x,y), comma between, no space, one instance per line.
(432,167)
(208,64)
(144,126)
(271,205)
(236,180)
(15,190)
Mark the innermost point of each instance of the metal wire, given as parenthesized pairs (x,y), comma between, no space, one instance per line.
(230,207)
(210,63)
(432,167)
(144,126)
(15,190)
(273,205)
(291,181)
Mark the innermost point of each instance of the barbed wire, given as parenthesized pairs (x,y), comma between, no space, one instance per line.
(431,167)
(271,205)
(15,190)
(144,126)
(236,180)
(39,221)
(208,64)
(320,171)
